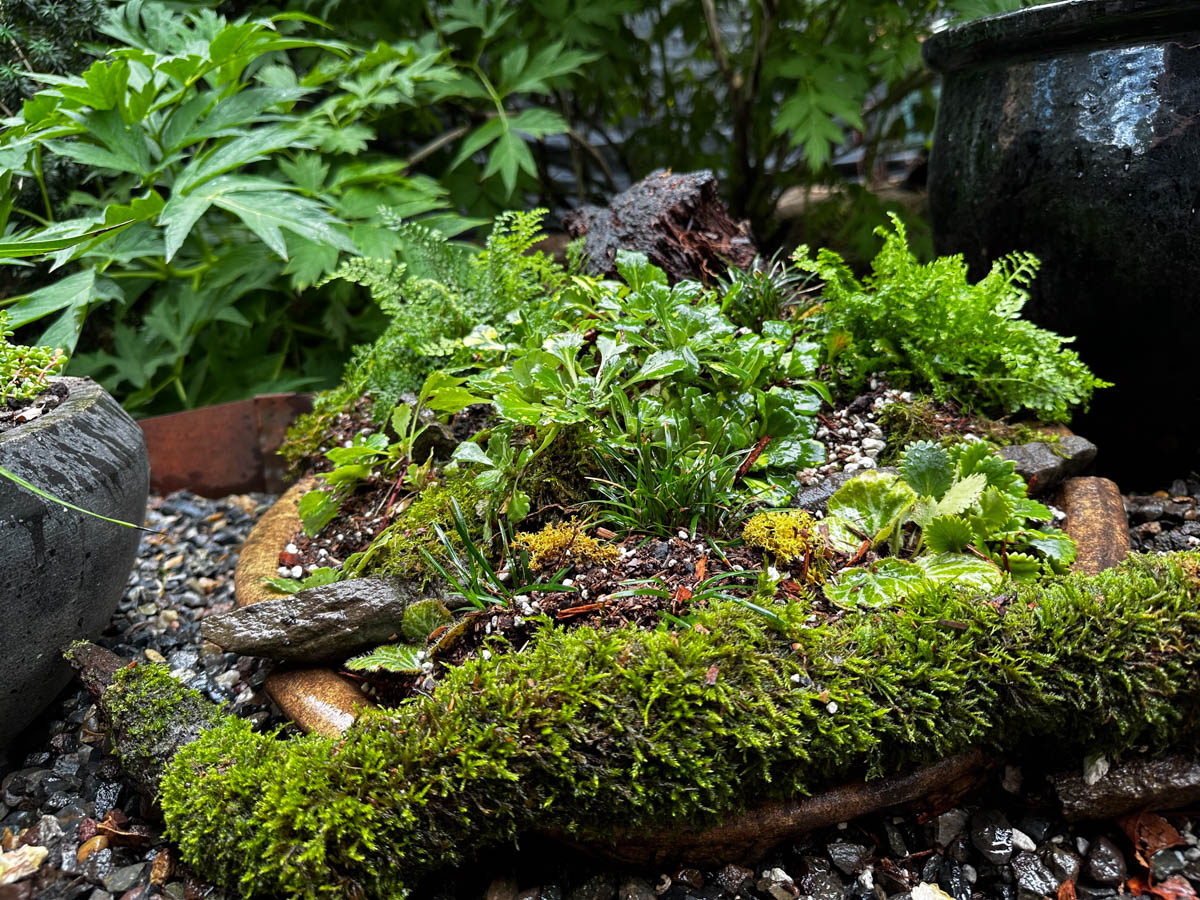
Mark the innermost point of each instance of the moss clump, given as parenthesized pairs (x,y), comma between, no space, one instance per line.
(397,550)
(789,535)
(150,714)
(588,730)
(562,544)
(558,479)
(925,420)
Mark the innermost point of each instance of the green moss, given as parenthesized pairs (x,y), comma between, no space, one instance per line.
(397,550)
(309,432)
(585,730)
(558,480)
(150,714)
(905,423)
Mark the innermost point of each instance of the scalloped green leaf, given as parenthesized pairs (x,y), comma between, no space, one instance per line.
(927,468)
(1023,566)
(872,504)
(980,458)
(995,508)
(1056,546)
(887,581)
(423,618)
(403,658)
(961,568)
(948,534)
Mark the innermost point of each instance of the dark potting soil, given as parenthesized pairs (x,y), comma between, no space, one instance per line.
(59,789)
(18,412)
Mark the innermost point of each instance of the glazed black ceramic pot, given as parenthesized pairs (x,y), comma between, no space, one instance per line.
(1073,130)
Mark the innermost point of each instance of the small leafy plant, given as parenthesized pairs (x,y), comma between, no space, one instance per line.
(926,326)
(24,370)
(955,514)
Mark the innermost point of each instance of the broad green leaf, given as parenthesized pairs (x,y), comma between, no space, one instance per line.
(873,504)
(240,151)
(961,568)
(995,508)
(403,658)
(471,452)
(481,137)
(887,582)
(73,295)
(267,213)
(927,468)
(638,271)
(510,155)
(659,365)
(1057,546)
(317,509)
(65,235)
(538,122)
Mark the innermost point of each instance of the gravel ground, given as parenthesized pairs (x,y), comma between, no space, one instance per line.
(58,790)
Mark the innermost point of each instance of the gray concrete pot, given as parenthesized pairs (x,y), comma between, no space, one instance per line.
(61,572)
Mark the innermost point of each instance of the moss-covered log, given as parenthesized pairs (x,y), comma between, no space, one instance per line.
(591,733)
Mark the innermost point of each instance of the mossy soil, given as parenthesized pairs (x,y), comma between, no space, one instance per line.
(589,730)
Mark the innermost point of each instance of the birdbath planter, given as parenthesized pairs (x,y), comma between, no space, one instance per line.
(1073,130)
(63,572)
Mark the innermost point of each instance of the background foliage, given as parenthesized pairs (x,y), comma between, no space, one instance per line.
(244,149)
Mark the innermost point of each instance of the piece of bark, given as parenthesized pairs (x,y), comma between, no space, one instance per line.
(1169,782)
(750,835)
(677,220)
(1096,520)
(320,624)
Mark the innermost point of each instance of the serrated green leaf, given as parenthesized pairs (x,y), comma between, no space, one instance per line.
(962,495)
(423,618)
(402,658)
(1056,546)
(1023,566)
(947,534)
(886,582)
(928,469)
(995,508)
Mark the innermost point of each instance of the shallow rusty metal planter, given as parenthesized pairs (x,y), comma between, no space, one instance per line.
(224,449)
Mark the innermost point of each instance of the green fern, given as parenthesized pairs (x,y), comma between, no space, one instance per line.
(927,326)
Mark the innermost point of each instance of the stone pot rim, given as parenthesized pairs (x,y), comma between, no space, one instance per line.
(1042,30)
(82,394)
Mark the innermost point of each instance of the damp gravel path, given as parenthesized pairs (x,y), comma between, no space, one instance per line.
(59,790)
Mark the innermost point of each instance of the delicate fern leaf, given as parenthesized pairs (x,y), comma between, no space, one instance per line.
(872,504)
(403,658)
(928,469)
(947,534)
(888,581)
(961,568)
(962,495)
(423,618)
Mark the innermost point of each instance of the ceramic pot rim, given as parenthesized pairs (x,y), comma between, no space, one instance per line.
(1040,30)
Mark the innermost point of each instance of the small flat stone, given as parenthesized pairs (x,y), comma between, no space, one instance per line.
(1033,876)
(1105,863)
(318,624)
(948,826)
(992,836)
(121,880)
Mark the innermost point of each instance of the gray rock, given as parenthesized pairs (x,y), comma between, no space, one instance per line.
(823,886)
(816,496)
(897,846)
(635,889)
(992,836)
(1062,862)
(948,826)
(1166,863)
(1165,783)
(1044,465)
(847,857)
(1033,876)
(123,879)
(319,624)
(598,887)
(503,887)
(733,878)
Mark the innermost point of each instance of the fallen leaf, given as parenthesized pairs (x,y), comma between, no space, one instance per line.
(711,678)
(926,891)
(120,834)
(20,863)
(1149,833)
(701,568)
(1066,891)
(1174,888)
(163,868)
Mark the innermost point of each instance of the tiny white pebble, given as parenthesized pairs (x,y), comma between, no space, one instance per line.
(284,571)
(832,707)
(486,654)
(1022,841)
(682,534)
(291,548)
(322,553)
(842,826)
(1082,845)
(969,873)
(568,581)
(347,444)
(796,678)
(297,571)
